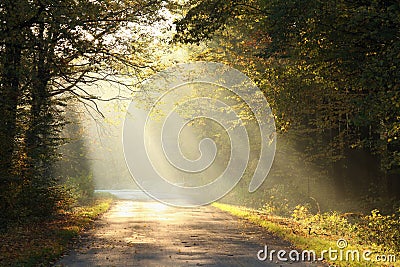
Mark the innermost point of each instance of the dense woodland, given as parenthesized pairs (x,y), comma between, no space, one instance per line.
(329,69)
(51,51)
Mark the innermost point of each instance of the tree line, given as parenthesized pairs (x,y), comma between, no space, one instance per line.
(329,69)
(50,52)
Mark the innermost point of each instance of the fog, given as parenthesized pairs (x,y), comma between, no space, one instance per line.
(201,149)
(103,136)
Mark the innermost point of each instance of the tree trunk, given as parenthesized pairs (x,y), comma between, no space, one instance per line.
(9,98)
(40,118)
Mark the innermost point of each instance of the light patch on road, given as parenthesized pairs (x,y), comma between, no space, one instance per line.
(126,209)
(156,206)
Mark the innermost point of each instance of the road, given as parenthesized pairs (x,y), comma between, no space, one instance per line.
(148,233)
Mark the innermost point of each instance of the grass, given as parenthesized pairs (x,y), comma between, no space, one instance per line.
(41,243)
(291,231)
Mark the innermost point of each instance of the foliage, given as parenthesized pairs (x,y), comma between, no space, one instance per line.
(82,187)
(375,229)
(51,51)
(327,223)
(74,154)
(321,231)
(329,71)
(40,243)
(383,230)
(276,203)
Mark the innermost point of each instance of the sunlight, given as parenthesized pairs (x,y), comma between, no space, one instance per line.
(157,206)
(126,210)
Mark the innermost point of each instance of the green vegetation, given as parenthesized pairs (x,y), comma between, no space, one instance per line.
(321,231)
(330,72)
(50,53)
(40,243)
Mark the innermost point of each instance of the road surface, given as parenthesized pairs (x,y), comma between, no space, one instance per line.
(148,233)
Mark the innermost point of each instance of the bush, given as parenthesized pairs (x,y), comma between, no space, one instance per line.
(82,187)
(40,201)
(277,206)
(381,229)
(328,223)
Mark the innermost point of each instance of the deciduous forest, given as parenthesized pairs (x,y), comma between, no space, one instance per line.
(330,71)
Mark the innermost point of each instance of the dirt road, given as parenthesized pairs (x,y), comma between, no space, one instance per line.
(147,233)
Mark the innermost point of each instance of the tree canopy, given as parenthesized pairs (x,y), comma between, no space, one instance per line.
(330,71)
(50,52)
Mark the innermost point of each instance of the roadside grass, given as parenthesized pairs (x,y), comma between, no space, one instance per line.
(304,239)
(40,243)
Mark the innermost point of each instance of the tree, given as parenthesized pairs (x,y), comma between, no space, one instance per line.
(332,68)
(51,50)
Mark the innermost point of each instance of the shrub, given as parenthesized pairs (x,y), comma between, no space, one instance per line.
(82,187)
(43,201)
(328,223)
(381,229)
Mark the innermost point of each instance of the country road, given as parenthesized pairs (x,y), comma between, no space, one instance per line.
(148,233)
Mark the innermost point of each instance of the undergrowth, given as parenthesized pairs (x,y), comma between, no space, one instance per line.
(42,242)
(374,232)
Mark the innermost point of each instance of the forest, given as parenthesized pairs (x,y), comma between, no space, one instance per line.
(330,71)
